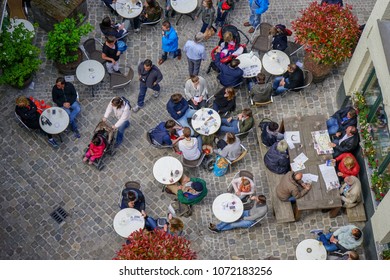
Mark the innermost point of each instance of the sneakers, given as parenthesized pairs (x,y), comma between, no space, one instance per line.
(136,30)
(53,143)
(116,146)
(251,30)
(316,231)
(247,24)
(76,133)
(179,56)
(213,229)
(85,159)
(161,61)
(136,108)
(156,94)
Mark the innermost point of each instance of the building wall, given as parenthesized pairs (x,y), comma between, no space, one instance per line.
(369,54)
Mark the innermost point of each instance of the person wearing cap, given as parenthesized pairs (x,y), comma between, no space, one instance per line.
(190,191)
(191,147)
(195,52)
(276,159)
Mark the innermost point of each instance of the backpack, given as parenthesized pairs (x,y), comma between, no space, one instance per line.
(126,101)
(179,209)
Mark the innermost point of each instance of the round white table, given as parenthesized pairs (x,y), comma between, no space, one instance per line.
(275,62)
(167,170)
(228,207)
(90,73)
(184,7)
(128,8)
(15,22)
(206,121)
(250,64)
(310,249)
(127,221)
(54,120)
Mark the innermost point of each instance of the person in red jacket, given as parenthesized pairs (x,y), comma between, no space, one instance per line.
(95,150)
(347,165)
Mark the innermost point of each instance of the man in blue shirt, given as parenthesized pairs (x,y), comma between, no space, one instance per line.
(195,52)
(257,7)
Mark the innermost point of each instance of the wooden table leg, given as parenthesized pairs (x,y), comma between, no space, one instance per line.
(297,213)
(334,211)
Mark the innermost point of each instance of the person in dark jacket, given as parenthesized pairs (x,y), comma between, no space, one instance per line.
(340,120)
(179,110)
(27,111)
(65,96)
(338,2)
(162,133)
(277,159)
(279,39)
(261,91)
(189,190)
(134,198)
(344,142)
(149,77)
(111,54)
(269,133)
(293,78)
(225,100)
(231,75)
(109,28)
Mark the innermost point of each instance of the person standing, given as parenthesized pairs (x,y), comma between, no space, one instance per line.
(111,54)
(121,109)
(65,96)
(257,8)
(149,77)
(170,42)
(195,52)
(208,14)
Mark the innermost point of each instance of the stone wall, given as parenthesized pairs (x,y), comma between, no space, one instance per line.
(47,13)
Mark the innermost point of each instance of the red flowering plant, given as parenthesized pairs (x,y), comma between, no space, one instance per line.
(329,33)
(156,245)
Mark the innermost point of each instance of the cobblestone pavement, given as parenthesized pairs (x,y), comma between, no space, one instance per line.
(35,179)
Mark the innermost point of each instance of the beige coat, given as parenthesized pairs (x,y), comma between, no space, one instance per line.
(353,195)
(289,187)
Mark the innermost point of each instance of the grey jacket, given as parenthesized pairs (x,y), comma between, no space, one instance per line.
(231,151)
(257,211)
(354,195)
(149,77)
(207,15)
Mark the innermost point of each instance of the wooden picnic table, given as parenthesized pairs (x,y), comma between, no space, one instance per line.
(318,197)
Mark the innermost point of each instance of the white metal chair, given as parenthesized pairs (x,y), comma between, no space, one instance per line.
(258,221)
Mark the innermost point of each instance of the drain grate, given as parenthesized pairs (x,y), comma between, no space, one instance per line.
(59,215)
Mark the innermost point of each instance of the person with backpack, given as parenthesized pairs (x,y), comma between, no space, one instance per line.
(279,37)
(121,108)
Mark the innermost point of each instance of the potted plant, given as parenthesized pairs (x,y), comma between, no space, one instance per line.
(63,43)
(329,34)
(19,58)
(156,245)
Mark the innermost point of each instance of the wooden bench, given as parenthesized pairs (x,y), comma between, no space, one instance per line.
(357,213)
(283,211)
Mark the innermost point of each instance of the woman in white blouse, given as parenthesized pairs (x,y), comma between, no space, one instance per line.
(196,92)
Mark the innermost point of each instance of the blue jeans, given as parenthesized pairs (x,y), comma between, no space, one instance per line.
(194,66)
(150,223)
(239,224)
(333,125)
(200,143)
(142,93)
(221,17)
(254,19)
(121,131)
(73,111)
(229,126)
(324,238)
(279,89)
(174,54)
(204,27)
(183,120)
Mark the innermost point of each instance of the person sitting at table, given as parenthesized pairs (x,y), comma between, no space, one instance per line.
(191,147)
(108,3)
(171,225)
(230,75)
(134,198)
(229,147)
(111,54)
(330,2)
(351,192)
(345,238)
(347,165)
(27,111)
(340,120)
(151,12)
(95,150)
(349,255)
(196,92)
(277,159)
(225,100)
(242,123)
(260,91)
(279,37)
(110,28)
(293,78)
(189,190)
(269,133)
(65,96)
(248,217)
(163,132)
(179,110)
(291,187)
(347,141)
(121,109)
(242,187)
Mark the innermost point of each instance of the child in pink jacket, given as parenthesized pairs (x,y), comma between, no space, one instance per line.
(95,150)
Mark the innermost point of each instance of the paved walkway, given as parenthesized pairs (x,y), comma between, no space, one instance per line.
(35,179)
